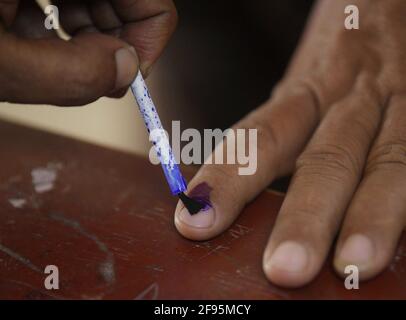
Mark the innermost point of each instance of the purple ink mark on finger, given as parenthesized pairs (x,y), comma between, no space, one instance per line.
(201,193)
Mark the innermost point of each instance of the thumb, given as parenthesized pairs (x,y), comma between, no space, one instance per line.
(65,73)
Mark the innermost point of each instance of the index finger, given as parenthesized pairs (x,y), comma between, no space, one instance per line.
(147,26)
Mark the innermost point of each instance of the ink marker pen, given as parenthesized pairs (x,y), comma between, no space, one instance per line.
(176,181)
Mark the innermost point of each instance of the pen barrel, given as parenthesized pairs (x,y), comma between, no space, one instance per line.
(158,136)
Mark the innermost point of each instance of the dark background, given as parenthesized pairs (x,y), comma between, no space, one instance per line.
(226,56)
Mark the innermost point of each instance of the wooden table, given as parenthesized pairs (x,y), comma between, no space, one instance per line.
(104,218)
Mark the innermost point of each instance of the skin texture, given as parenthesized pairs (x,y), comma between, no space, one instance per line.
(337,121)
(38,67)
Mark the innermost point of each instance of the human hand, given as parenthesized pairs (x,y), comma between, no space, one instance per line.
(338,122)
(38,67)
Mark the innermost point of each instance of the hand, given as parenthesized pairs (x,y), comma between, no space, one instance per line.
(38,67)
(338,122)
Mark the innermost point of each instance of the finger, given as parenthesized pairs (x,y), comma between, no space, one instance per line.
(147,26)
(376,217)
(118,94)
(277,146)
(105,18)
(75,16)
(91,16)
(326,176)
(54,71)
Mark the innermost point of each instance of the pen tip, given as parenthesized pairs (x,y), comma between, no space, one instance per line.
(192,205)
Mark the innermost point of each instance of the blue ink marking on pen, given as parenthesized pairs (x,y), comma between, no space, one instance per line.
(159,139)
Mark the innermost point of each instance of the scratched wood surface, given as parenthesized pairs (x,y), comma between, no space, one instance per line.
(104,218)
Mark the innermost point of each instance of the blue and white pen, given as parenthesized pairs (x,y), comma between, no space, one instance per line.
(176,181)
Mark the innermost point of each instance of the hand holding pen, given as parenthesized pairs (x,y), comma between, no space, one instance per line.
(99,59)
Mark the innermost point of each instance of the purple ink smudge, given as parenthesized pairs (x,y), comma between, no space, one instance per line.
(201,193)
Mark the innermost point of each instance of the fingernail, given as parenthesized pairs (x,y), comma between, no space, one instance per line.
(289,256)
(202,219)
(126,67)
(132,49)
(357,249)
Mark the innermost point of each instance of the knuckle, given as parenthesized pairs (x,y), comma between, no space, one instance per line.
(312,217)
(329,161)
(388,156)
(265,133)
(300,86)
(285,93)
(313,223)
(305,91)
(260,120)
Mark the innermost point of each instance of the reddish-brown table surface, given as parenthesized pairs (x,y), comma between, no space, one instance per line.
(107,224)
